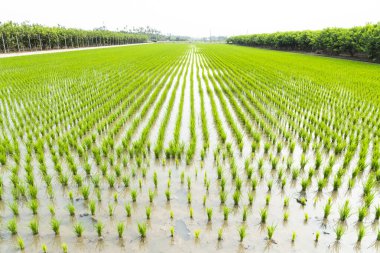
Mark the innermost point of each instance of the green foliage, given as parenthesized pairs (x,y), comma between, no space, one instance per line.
(335,41)
(30,37)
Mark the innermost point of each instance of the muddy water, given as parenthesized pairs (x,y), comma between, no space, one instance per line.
(158,235)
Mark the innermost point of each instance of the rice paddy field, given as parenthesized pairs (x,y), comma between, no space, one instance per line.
(189,148)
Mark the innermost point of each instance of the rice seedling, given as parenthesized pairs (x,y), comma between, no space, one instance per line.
(253,184)
(245,213)
(191,213)
(111,209)
(220,234)
(78,229)
(55,226)
(339,231)
(99,228)
(267,200)
(14,207)
(263,215)
(362,213)
(293,237)
(317,235)
(377,212)
(286,201)
(134,195)
(64,247)
(128,209)
(197,233)
(92,207)
(71,209)
(327,210)
(223,197)
(226,212)
(209,214)
(20,243)
(171,231)
(250,198)
(44,248)
(269,185)
(242,233)
(12,226)
(236,197)
(120,229)
(361,233)
(270,231)
(344,211)
(34,226)
(142,229)
(33,205)
(148,211)
(167,194)
(286,216)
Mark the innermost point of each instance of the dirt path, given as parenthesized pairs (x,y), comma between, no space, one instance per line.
(7,55)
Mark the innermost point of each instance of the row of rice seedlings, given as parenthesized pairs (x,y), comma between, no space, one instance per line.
(176,147)
(193,135)
(141,142)
(205,132)
(230,120)
(161,132)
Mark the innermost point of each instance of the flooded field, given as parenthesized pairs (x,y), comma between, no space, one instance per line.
(188,148)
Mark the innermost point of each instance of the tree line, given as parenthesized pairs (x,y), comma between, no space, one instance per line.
(16,37)
(360,41)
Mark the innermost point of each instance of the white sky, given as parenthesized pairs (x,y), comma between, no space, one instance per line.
(195,17)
